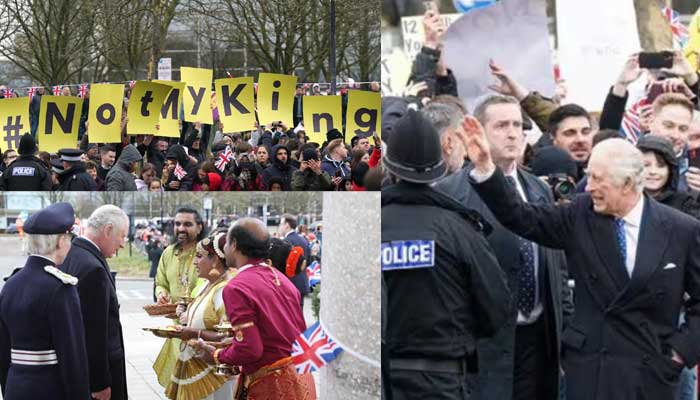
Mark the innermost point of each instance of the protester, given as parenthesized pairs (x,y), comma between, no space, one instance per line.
(121,176)
(146,176)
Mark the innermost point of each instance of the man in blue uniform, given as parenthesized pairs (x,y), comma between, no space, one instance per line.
(42,340)
(74,177)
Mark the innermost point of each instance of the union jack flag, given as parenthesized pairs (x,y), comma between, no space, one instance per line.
(31,92)
(313,349)
(7,93)
(82,91)
(630,128)
(313,271)
(679,31)
(56,90)
(179,172)
(224,158)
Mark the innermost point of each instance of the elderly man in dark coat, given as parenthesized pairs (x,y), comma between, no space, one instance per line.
(106,232)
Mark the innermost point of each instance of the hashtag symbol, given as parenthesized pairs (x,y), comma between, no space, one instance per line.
(9,128)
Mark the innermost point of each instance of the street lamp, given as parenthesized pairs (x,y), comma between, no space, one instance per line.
(331,61)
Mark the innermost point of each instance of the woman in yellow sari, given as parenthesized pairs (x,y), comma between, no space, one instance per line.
(192,378)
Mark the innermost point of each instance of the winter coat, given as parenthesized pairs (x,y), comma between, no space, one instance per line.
(120,178)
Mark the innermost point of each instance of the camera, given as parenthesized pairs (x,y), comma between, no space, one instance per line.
(562,186)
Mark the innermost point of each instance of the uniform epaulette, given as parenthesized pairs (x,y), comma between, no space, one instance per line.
(62,276)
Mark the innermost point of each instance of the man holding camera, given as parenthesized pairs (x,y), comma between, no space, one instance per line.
(525,350)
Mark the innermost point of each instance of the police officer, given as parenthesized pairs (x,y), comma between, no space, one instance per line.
(74,176)
(42,340)
(27,172)
(444,286)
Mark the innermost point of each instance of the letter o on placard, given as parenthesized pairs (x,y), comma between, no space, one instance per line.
(100,114)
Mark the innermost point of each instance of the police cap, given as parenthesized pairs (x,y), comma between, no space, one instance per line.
(70,155)
(54,219)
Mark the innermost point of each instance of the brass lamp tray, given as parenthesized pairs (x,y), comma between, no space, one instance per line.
(156,310)
(167,332)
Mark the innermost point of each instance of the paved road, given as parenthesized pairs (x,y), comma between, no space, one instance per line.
(141,347)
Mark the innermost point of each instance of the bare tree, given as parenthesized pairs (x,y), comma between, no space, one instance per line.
(50,40)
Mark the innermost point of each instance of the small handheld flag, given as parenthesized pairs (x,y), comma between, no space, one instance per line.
(313,349)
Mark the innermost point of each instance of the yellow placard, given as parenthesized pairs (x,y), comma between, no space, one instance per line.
(14,121)
(236,104)
(363,117)
(144,107)
(321,114)
(170,112)
(105,113)
(276,98)
(59,118)
(197,95)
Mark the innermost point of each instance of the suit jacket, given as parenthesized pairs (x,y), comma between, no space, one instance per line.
(300,280)
(618,344)
(100,308)
(496,354)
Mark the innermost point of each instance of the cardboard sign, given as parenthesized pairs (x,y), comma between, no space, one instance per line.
(59,118)
(14,121)
(321,114)
(105,113)
(591,59)
(363,116)
(197,94)
(514,34)
(276,98)
(236,104)
(145,107)
(170,112)
(414,35)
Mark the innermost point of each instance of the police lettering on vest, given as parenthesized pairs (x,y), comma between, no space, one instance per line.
(408,254)
(23,171)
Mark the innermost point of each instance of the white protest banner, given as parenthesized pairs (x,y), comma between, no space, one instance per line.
(396,68)
(514,34)
(413,33)
(165,71)
(591,59)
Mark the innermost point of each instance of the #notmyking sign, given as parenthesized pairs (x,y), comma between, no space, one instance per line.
(154,110)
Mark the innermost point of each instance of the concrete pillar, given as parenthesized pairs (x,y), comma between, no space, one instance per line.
(350,293)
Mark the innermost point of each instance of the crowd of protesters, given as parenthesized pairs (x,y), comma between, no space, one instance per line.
(275,157)
(550,345)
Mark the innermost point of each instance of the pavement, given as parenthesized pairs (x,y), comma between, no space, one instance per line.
(141,347)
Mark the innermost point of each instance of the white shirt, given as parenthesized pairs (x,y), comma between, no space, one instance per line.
(93,243)
(633,221)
